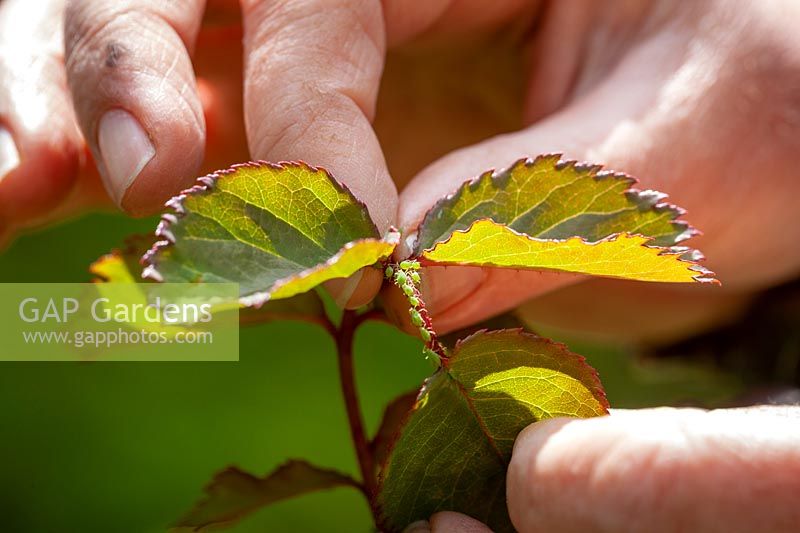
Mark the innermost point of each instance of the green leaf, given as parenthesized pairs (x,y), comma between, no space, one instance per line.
(276,229)
(122,266)
(626,256)
(455,447)
(393,417)
(232,493)
(553,199)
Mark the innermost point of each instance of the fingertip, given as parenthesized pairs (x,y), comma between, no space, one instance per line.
(366,289)
(9,154)
(135,96)
(37,171)
(451,522)
(140,171)
(357,290)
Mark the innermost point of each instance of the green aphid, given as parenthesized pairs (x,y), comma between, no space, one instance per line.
(407,265)
(425,334)
(414,301)
(408,290)
(414,277)
(416,318)
(389,272)
(400,277)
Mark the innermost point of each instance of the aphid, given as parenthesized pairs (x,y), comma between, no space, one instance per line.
(414,301)
(408,290)
(389,272)
(414,277)
(400,277)
(416,318)
(425,334)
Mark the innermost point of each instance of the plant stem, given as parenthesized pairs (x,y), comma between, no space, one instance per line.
(344,346)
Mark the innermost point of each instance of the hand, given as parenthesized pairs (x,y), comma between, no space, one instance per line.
(654,470)
(684,95)
(694,98)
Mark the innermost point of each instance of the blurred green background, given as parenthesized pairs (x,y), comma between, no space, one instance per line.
(127,447)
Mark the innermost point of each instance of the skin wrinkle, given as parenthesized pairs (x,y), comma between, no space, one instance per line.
(129,24)
(677,459)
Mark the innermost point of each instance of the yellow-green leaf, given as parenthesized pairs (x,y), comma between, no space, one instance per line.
(234,494)
(455,446)
(553,199)
(626,256)
(122,266)
(268,227)
(348,260)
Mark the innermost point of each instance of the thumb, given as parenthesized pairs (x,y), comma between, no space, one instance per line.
(659,470)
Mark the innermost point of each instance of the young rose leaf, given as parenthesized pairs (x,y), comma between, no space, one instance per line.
(455,446)
(553,199)
(626,256)
(393,417)
(122,266)
(276,229)
(232,493)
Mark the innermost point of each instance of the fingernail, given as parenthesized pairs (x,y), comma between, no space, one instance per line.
(349,288)
(125,149)
(420,526)
(9,156)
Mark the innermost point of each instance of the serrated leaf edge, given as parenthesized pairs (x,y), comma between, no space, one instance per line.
(127,248)
(644,199)
(257,299)
(205,185)
(597,391)
(345,478)
(684,253)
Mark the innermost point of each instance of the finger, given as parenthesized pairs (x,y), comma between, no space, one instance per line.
(653,134)
(135,95)
(659,470)
(409,19)
(40,145)
(312,70)
(449,522)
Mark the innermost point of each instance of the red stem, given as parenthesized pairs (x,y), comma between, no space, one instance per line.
(344,346)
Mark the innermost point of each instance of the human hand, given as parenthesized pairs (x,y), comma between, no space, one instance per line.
(654,470)
(694,98)
(632,85)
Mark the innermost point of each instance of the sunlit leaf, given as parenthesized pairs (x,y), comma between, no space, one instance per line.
(348,260)
(454,448)
(122,266)
(276,229)
(625,256)
(232,493)
(553,199)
